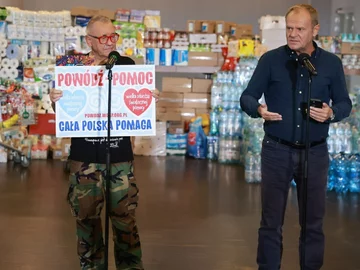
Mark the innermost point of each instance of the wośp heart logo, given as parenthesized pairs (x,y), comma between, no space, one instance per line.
(138,101)
(72,103)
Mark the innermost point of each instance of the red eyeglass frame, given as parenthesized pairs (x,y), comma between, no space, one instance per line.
(107,38)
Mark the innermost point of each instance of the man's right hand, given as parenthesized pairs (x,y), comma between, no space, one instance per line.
(55,95)
(268,116)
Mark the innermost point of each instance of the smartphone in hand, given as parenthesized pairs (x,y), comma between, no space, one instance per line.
(317,103)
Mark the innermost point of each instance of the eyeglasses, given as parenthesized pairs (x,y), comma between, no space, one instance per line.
(104,39)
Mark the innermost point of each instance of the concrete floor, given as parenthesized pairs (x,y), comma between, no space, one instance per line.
(192,215)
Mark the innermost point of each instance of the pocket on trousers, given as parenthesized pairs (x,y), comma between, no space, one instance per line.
(319,151)
(133,192)
(85,194)
(71,199)
(124,195)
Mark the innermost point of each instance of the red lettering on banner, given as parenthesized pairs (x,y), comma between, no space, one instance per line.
(116,77)
(78,79)
(101,76)
(104,115)
(68,79)
(133,78)
(137,101)
(149,78)
(81,79)
(122,78)
(96,79)
(60,79)
(141,78)
(87,79)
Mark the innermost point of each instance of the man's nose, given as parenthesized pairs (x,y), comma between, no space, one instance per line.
(292,32)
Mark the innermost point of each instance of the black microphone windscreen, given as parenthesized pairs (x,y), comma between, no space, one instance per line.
(117,56)
(302,57)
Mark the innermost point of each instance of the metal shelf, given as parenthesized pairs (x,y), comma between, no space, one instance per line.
(186,69)
(210,70)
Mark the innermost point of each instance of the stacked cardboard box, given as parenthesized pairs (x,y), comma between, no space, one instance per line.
(272,31)
(220,28)
(205,59)
(213,36)
(88,12)
(152,145)
(350,52)
(183,98)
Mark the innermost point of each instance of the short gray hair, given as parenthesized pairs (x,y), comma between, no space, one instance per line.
(97,18)
(312,11)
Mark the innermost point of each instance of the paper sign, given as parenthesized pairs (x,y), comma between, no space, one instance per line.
(83,109)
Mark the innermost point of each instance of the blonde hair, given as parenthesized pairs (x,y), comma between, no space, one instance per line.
(97,18)
(312,11)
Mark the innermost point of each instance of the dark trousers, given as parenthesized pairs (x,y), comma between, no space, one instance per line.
(279,165)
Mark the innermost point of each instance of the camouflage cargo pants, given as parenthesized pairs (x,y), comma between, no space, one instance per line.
(87,197)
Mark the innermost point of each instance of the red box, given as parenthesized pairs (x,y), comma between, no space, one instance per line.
(45,125)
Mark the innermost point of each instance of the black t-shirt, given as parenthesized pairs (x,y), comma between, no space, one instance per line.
(93,150)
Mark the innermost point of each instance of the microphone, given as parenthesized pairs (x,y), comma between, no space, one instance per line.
(305,61)
(114,57)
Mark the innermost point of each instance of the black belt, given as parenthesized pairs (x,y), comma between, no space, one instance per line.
(294,145)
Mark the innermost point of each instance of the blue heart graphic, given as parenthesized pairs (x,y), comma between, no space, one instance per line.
(72,103)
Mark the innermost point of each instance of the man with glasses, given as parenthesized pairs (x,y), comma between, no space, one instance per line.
(87,162)
(101,38)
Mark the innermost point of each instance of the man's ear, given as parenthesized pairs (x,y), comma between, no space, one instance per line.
(88,41)
(316,30)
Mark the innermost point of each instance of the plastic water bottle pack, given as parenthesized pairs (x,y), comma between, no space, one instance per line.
(226,117)
(344,173)
(344,150)
(252,168)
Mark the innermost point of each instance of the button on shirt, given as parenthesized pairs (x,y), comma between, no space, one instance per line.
(285,83)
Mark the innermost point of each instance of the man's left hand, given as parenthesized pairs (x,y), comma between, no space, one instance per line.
(156,94)
(321,114)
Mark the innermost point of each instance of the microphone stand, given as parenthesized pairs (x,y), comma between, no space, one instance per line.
(305,178)
(108,176)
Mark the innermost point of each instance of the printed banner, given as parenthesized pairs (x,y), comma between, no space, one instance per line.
(83,109)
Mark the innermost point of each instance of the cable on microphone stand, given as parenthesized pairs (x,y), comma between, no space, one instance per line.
(113,59)
(304,60)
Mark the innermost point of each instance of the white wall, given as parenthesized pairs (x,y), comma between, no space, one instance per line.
(357,16)
(12,3)
(324,9)
(352,4)
(174,13)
